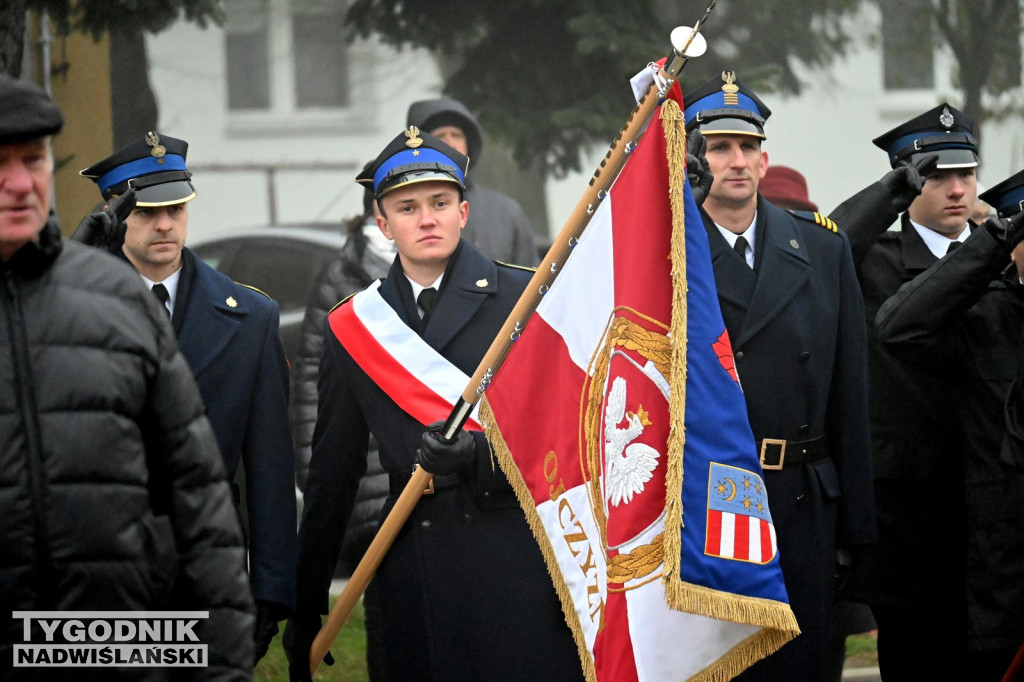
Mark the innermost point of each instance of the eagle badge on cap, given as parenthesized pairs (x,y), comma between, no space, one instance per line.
(730,88)
(232,303)
(946,119)
(158,150)
(481,283)
(413,133)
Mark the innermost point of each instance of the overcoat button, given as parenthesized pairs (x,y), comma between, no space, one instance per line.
(739,355)
(425,525)
(805,356)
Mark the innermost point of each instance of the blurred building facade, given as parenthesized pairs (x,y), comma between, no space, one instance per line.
(281,112)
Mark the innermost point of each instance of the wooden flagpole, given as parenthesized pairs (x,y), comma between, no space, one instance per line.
(687,43)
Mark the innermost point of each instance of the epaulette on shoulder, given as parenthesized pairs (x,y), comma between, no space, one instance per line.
(342,302)
(345,300)
(817,219)
(258,291)
(517,267)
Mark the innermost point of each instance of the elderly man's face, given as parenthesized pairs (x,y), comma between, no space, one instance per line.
(25,171)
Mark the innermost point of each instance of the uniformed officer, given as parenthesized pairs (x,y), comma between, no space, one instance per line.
(465,593)
(229,335)
(934,157)
(962,319)
(789,297)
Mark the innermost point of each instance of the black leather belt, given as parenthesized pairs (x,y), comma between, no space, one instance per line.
(777,453)
(399,479)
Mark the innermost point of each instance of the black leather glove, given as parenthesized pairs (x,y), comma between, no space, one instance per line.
(105,229)
(904,182)
(298,638)
(1014,231)
(697,168)
(846,560)
(443,459)
(998,228)
(268,615)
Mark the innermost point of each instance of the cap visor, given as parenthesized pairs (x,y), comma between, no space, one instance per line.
(415,177)
(949,158)
(731,126)
(165,194)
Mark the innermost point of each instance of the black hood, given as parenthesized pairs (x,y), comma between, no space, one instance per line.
(430,114)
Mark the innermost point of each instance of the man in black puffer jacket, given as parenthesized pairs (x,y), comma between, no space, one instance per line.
(112,492)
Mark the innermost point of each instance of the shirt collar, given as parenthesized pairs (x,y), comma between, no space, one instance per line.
(171,284)
(417,288)
(750,234)
(937,243)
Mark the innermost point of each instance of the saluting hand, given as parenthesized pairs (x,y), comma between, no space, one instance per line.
(905,182)
(105,229)
(697,168)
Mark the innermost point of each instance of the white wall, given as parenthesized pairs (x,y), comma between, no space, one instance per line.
(187,71)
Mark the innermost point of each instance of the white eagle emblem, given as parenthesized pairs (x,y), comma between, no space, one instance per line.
(629,465)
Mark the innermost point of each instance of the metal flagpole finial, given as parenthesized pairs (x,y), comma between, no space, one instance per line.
(686,43)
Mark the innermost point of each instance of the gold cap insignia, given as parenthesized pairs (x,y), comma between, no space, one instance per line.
(158,150)
(232,303)
(482,283)
(946,119)
(413,133)
(730,89)
(794,243)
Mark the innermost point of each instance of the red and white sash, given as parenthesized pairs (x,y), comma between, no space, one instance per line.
(419,379)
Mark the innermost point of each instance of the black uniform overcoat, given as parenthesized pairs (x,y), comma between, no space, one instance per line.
(962,320)
(913,440)
(464,589)
(229,335)
(797,328)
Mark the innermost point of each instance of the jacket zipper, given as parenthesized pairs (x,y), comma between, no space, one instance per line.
(43,562)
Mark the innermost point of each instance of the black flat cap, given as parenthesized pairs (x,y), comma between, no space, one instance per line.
(26,111)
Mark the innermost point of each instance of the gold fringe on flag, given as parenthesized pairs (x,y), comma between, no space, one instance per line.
(675,151)
(776,619)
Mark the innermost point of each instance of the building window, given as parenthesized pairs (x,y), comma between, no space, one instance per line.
(286,56)
(908,50)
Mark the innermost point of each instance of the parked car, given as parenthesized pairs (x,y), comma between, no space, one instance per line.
(282,261)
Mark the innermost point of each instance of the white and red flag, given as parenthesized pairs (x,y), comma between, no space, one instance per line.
(618,418)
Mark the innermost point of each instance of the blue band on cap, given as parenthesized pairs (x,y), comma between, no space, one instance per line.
(717,101)
(417,156)
(139,167)
(1010,199)
(956,141)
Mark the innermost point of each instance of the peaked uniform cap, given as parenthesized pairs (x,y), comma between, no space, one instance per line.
(725,106)
(414,156)
(26,112)
(1007,197)
(944,130)
(154,166)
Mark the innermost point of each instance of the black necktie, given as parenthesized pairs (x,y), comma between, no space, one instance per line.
(953,246)
(161,294)
(426,301)
(741,247)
